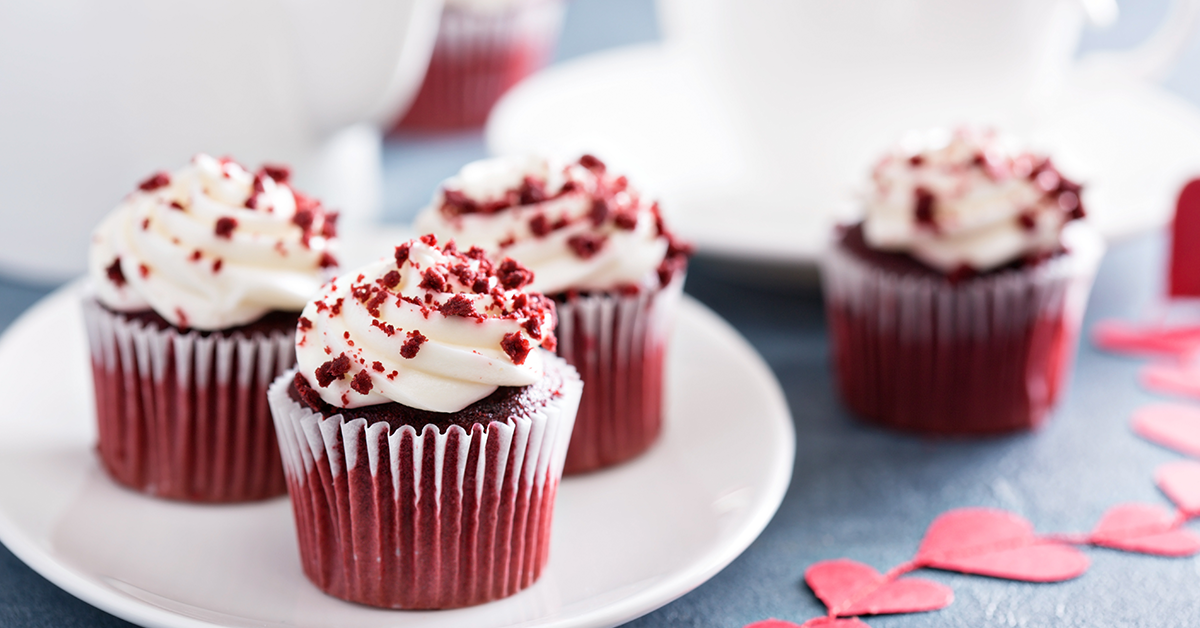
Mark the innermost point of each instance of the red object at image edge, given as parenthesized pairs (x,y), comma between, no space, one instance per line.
(1184,273)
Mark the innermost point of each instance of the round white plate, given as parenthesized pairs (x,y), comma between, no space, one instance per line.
(1132,144)
(626,540)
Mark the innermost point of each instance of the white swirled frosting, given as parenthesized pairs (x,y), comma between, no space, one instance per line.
(967,199)
(433,329)
(576,225)
(212,246)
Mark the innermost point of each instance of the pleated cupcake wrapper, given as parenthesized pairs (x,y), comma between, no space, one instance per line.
(424,519)
(618,344)
(990,354)
(182,415)
(478,56)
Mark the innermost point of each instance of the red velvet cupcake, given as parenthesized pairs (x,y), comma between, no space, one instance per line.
(483,48)
(602,253)
(955,306)
(197,279)
(424,432)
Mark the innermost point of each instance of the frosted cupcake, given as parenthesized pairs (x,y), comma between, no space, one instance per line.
(483,48)
(424,430)
(602,253)
(955,306)
(196,282)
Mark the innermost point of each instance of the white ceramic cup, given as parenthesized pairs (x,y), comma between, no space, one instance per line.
(97,94)
(818,88)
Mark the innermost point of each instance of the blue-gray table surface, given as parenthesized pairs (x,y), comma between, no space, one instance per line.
(857,492)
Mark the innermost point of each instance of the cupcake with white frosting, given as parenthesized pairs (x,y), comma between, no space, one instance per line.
(483,48)
(424,429)
(602,252)
(196,282)
(955,305)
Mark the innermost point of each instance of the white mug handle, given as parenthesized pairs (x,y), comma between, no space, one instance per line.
(1153,59)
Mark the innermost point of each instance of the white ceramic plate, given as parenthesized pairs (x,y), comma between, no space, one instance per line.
(626,540)
(1133,145)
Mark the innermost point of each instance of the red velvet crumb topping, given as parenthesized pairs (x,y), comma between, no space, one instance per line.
(333,369)
(413,344)
(512,275)
(516,346)
(225,227)
(458,305)
(155,181)
(586,245)
(114,273)
(362,383)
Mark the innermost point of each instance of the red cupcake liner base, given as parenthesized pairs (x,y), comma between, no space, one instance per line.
(618,343)
(182,415)
(423,519)
(478,56)
(987,355)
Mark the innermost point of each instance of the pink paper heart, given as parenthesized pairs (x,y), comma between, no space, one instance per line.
(1121,337)
(1173,379)
(1144,528)
(818,622)
(1184,277)
(996,543)
(852,588)
(1170,425)
(1181,482)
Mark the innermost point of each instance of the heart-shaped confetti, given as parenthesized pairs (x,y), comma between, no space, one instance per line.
(1172,378)
(1184,277)
(1144,528)
(818,622)
(1170,425)
(852,588)
(996,543)
(1181,483)
(1121,337)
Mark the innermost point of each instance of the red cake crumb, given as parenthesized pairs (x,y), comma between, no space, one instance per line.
(225,227)
(331,370)
(377,366)
(402,254)
(923,206)
(155,181)
(431,279)
(362,383)
(458,305)
(216,265)
(512,275)
(304,323)
(114,273)
(516,346)
(429,239)
(143,270)
(327,260)
(279,173)
(592,163)
(413,344)
(586,245)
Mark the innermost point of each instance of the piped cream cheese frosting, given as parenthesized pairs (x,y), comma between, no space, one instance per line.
(212,246)
(431,328)
(576,225)
(968,199)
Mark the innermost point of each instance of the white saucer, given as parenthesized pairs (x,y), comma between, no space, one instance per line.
(626,541)
(1133,145)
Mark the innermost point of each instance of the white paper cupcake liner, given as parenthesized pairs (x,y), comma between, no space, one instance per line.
(184,415)
(618,343)
(478,56)
(989,354)
(424,519)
